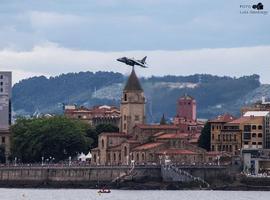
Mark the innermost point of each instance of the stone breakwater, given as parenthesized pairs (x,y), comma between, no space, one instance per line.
(94,176)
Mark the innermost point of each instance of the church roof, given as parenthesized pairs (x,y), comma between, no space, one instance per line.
(148,146)
(177,152)
(133,83)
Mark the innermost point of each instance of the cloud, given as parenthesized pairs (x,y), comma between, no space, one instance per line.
(50,59)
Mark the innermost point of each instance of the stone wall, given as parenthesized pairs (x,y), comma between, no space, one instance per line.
(91,176)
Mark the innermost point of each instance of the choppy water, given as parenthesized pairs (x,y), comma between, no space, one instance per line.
(82,194)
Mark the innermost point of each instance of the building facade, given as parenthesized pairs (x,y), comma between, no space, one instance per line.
(187,108)
(141,143)
(95,115)
(5,110)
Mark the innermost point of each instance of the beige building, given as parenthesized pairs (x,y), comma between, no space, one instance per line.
(5,111)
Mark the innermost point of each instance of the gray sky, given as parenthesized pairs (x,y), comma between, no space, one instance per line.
(51,37)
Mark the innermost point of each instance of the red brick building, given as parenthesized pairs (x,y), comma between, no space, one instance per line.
(186,108)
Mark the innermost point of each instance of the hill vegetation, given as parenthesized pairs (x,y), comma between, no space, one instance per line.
(214,94)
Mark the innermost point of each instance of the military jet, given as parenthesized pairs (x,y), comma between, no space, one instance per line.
(132,62)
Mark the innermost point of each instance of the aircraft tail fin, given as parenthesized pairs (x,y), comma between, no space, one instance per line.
(143,60)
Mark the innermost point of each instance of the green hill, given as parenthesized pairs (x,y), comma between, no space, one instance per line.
(214,94)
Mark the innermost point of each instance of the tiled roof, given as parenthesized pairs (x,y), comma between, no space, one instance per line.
(156,126)
(223,118)
(132,141)
(173,136)
(148,146)
(239,120)
(177,151)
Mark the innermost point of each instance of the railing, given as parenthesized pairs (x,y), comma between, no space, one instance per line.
(181,175)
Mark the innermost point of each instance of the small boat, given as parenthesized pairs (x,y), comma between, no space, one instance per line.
(104,190)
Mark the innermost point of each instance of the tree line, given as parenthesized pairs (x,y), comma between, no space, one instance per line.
(55,138)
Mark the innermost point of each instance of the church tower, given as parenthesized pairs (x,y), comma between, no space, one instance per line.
(132,104)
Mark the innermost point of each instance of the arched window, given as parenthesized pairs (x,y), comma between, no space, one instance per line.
(253,127)
(102,143)
(260,135)
(137,158)
(260,127)
(125,151)
(125,97)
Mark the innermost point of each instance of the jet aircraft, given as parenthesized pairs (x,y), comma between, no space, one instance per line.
(132,62)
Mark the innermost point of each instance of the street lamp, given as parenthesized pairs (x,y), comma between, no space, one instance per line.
(69,161)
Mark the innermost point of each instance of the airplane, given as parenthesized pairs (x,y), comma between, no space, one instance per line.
(132,62)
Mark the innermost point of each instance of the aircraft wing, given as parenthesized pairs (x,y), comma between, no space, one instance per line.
(139,63)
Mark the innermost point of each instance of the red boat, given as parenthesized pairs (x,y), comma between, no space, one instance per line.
(104,190)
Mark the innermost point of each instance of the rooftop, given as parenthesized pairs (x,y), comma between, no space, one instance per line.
(256,113)
(156,126)
(133,83)
(177,151)
(173,136)
(148,146)
(223,118)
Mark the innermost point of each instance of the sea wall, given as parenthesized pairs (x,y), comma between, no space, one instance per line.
(90,176)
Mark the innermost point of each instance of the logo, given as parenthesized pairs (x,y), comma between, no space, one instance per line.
(253,9)
(259,6)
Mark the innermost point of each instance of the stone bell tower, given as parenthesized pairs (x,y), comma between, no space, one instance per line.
(132,104)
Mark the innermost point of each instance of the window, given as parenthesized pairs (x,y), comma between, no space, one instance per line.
(253,134)
(260,135)
(119,156)
(3,140)
(1,89)
(259,143)
(125,151)
(125,117)
(114,157)
(245,143)
(253,127)
(260,127)
(125,97)
(137,158)
(218,137)
(234,137)
(1,83)
(247,128)
(213,136)
(137,117)
(95,158)
(247,136)
(102,143)
(125,126)
(254,143)
(79,116)
(143,156)
(1,76)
